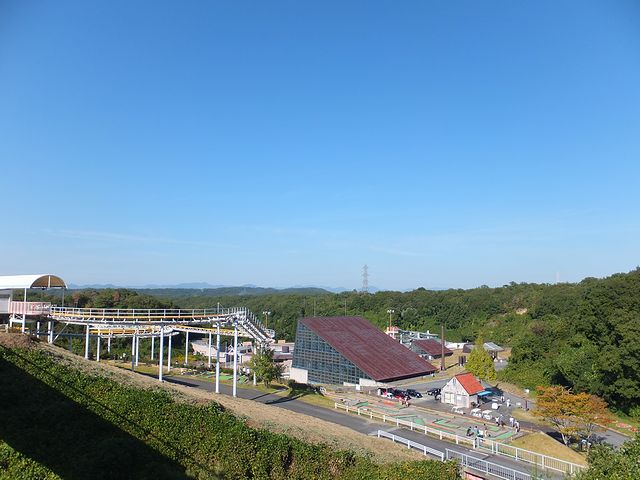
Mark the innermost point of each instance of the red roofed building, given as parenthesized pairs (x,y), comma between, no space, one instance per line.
(350,350)
(429,349)
(461,390)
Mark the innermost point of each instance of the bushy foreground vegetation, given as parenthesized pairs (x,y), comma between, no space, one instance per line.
(60,422)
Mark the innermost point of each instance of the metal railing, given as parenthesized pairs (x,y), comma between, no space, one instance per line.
(247,321)
(29,308)
(484,466)
(411,444)
(468,461)
(140,314)
(496,448)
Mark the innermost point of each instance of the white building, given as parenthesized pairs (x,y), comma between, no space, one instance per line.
(461,390)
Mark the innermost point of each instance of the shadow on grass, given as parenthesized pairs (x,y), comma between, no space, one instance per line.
(75,443)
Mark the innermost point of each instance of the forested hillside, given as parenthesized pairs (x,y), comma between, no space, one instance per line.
(584,335)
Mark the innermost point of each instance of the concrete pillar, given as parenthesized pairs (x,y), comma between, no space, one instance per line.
(253,354)
(109,343)
(133,352)
(98,348)
(38,329)
(169,354)
(218,360)
(209,355)
(86,344)
(160,357)
(186,349)
(235,360)
(50,331)
(137,350)
(153,347)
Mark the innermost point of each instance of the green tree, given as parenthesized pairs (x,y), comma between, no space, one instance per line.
(265,368)
(480,362)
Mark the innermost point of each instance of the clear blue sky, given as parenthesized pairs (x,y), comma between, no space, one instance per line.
(444,144)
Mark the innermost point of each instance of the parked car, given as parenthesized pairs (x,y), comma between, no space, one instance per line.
(399,393)
(434,392)
(414,393)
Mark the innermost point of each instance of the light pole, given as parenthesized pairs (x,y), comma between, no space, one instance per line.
(390,311)
(266,318)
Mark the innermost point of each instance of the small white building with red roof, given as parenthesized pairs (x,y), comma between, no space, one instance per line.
(461,390)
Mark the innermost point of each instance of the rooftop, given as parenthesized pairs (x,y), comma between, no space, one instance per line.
(371,350)
(469,383)
(431,347)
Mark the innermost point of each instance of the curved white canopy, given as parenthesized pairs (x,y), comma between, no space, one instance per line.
(32,281)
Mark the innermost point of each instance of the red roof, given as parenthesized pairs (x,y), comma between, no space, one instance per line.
(469,383)
(374,352)
(431,347)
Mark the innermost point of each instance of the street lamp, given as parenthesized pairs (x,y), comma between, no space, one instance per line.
(266,318)
(390,311)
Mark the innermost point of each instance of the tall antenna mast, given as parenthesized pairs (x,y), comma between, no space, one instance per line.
(365,279)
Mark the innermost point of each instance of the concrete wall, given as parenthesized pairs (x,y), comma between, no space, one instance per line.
(300,375)
(454,394)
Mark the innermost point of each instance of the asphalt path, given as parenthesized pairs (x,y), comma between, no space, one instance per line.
(357,423)
(609,436)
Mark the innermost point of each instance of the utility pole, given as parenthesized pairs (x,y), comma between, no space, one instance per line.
(266,318)
(390,311)
(442,367)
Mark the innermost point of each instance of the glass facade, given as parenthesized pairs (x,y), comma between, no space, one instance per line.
(322,361)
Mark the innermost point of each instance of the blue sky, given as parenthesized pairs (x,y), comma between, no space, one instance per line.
(444,144)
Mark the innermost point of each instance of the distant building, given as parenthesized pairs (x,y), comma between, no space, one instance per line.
(407,336)
(461,390)
(492,348)
(351,351)
(429,349)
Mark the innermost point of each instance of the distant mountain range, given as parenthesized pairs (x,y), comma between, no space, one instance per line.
(199,288)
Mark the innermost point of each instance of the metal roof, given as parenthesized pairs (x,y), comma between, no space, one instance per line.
(469,383)
(43,280)
(374,352)
(431,347)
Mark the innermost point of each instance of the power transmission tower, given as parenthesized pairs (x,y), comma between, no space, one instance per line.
(365,279)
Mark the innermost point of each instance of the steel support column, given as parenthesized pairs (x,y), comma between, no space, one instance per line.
(186,349)
(153,346)
(235,359)
(169,354)
(137,350)
(50,331)
(133,351)
(109,343)
(86,344)
(98,348)
(209,354)
(160,357)
(218,360)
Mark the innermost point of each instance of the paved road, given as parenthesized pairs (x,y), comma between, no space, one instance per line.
(359,424)
(608,436)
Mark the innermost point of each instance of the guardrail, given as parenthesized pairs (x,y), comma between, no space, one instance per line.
(411,444)
(484,466)
(29,308)
(496,448)
(468,461)
(140,314)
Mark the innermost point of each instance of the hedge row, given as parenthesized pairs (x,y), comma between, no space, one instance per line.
(88,426)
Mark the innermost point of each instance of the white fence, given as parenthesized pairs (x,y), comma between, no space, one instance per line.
(411,444)
(499,471)
(496,448)
(484,466)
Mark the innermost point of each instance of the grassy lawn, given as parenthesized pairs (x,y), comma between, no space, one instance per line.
(542,443)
